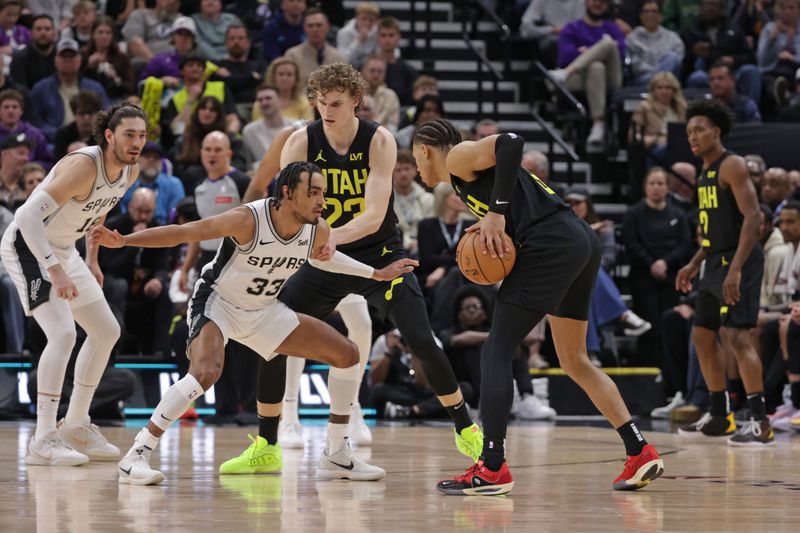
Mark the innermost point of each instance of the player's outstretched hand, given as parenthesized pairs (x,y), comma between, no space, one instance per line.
(683,281)
(493,238)
(395,270)
(102,236)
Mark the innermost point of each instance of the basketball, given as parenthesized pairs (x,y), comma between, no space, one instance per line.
(480,268)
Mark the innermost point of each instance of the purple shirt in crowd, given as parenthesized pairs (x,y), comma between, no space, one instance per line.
(22,36)
(577,34)
(163,64)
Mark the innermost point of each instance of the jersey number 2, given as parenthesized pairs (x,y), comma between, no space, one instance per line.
(260,284)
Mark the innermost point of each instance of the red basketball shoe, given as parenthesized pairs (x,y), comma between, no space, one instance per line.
(479,481)
(640,470)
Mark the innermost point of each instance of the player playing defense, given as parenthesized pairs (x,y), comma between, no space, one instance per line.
(729,291)
(59,289)
(358,159)
(265,243)
(557,260)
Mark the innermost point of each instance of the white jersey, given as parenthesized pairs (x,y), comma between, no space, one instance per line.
(74,219)
(251,275)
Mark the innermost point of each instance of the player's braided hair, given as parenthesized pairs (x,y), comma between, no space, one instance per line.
(112,117)
(290,176)
(438,132)
(713,110)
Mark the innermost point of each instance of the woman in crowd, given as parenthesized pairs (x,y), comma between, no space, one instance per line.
(438,237)
(283,74)
(664,104)
(104,62)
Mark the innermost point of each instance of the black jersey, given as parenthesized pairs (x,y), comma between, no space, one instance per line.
(720,218)
(346,176)
(532,201)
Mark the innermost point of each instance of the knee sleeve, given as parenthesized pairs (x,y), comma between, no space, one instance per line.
(271,381)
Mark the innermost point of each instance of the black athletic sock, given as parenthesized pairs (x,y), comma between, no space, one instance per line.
(720,404)
(632,438)
(756,404)
(268,428)
(796,394)
(494,453)
(460,416)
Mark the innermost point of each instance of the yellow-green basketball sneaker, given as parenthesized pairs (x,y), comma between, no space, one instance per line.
(259,458)
(470,442)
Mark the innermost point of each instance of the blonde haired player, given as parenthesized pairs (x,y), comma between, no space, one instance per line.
(59,289)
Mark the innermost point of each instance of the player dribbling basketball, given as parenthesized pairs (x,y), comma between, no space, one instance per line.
(558,257)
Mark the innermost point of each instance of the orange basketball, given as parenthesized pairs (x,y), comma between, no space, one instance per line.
(480,268)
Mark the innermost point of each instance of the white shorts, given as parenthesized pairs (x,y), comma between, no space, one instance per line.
(261,330)
(33,281)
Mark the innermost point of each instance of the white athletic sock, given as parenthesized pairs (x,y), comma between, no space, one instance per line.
(46,412)
(176,401)
(79,402)
(294,369)
(359,330)
(145,438)
(337,437)
(342,385)
(289,412)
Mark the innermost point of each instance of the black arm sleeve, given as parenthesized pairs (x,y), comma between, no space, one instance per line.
(508,154)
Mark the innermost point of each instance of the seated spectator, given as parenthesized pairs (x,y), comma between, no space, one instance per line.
(283,31)
(756,168)
(60,10)
(15,152)
(85,106)
(437,238)
(400,75)
(606,307)
(12,106)
(49,113)
(779,48)
(258,135)
(680,15)
(681,188)
(652,48)
(241,74)
(284,75)
(7,83)
(36,61)
(32,175)
(790,111)
(105,63)
(359,37)
(148,307)
(589,56)
(412,203)
(723,88)
(212,25)
(485,128)
(714,40)
(659,241)
(387,104)
(207,117)
(543,21)
(168,189)
(650,120)
(776,190)
(182,104)
(537,164)
(423,85)
(775,251)
(366,110)
(428,108)
(13,36)
(167,65)
(84,15)
(398,386)
(147,31)
(315,51)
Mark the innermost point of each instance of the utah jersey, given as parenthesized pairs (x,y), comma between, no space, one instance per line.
(346,176)
(720,218)
(250,275)
(75,218)
(532,200)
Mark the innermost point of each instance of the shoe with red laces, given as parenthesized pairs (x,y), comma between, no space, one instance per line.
(640,470)
(479,481)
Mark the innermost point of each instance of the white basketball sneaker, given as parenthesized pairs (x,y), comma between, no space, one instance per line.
(532,408)
(359,431)
(89,441)
(51,450)
(290,434)
(134,468)
(344,465)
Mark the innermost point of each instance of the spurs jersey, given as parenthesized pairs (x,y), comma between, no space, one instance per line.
(720,218)
(75,218)
(346,176)
(249,276)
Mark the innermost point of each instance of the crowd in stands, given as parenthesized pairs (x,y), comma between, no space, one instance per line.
(219,83)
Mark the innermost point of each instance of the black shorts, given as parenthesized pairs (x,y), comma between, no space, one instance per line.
(711,311)
(316,293)
(556,268)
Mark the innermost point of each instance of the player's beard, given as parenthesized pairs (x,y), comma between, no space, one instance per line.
(123,157)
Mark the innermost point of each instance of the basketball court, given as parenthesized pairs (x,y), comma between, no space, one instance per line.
(562,474)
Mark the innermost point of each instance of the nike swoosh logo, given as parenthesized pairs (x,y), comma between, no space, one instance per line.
(346,467)
(167,419)
(498,202)
(48,257)
(99,187)
(264,243)
(128,471)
